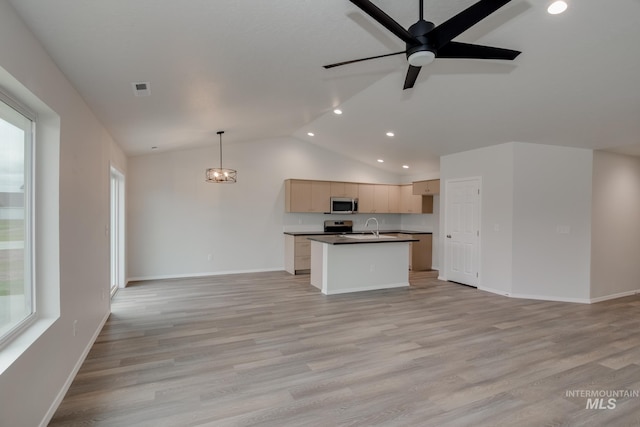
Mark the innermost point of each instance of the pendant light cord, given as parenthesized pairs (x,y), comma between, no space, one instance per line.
(220,133)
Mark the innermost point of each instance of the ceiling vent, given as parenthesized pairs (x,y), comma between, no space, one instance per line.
(141,88)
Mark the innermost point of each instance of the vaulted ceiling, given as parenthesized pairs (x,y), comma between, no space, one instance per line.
(254,69)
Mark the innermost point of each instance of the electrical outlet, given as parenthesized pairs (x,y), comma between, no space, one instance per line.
(210,257)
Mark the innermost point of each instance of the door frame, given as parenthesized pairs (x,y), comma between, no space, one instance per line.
(445,231)
(116,230)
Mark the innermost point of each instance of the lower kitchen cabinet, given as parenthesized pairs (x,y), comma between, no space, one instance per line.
(421,251)
(297,254)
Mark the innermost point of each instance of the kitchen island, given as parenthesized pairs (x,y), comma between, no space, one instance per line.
(359,262)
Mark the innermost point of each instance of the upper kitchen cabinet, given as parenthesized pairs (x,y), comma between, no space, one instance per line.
(307,196)
(412,204)
(366,202)
(409,203)
(381,198)
(394,198)
(426,188)
(344,189)
(373,198)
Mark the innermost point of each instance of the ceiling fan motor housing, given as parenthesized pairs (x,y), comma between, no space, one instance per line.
(416,53)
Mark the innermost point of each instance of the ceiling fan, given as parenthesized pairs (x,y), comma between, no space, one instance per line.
(425,41)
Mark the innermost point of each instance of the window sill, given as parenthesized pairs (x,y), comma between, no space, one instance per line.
(21,343)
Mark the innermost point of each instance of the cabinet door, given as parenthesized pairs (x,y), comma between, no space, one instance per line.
(366,198)
(351,189)
(320,196)
(409,203)
(421,252)
(344,189)
(426,188)
(381,198)
(394,198)
(299,194)
(337,189)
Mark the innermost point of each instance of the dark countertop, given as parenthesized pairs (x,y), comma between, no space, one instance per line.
(330,233)
(341,240)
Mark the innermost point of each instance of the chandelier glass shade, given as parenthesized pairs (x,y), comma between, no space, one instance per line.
(221,175)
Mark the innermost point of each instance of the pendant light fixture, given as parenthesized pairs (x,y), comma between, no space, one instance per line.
(221,175)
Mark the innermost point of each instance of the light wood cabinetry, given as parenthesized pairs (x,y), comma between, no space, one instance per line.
(412,204)
(314,196)
(320,196)
(366,203)
(307,196)
(420,252)
(381,198)
(297,254)
(394,198)
(344,189)
(409,203)
(373,198)
(426,188)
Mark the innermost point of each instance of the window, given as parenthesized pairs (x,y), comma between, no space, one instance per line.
(17,301)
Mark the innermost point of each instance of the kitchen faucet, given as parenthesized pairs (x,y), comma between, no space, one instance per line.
(377,232)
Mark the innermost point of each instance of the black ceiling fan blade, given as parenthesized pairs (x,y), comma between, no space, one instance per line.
(412,75)
(457,25)
(337,64)
(385,20)
(476,51)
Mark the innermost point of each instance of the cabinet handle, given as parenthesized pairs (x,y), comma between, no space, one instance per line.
(448,236)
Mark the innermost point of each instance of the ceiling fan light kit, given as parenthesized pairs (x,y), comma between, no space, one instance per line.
(421,58)
(425,41)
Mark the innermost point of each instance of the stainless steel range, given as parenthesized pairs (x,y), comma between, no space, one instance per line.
(338,226)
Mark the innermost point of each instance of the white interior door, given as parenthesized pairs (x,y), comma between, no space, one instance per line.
(462,236)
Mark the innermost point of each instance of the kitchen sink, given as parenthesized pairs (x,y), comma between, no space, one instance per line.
(367,236)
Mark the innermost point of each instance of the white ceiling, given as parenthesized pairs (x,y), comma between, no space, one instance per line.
(254,69)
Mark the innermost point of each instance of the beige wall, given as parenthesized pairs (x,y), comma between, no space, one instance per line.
(72,248)
(529,192)
(175,219)
(615,266)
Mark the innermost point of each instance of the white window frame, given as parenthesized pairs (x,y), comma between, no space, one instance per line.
(29,220)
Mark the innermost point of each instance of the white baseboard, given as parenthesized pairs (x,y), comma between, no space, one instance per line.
(561,299)
(551,298)
(495,291)
(367,288)
(58,400)
(213,273)
(614,296)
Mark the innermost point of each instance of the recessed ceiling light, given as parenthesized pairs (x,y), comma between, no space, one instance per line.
(311,134)
(390,134)
(337,111)
(380,161)
(405,166)
(557,7)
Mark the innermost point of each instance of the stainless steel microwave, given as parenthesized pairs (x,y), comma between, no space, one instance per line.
(344,205)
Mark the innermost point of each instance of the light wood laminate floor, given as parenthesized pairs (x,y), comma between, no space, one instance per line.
(268,349)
